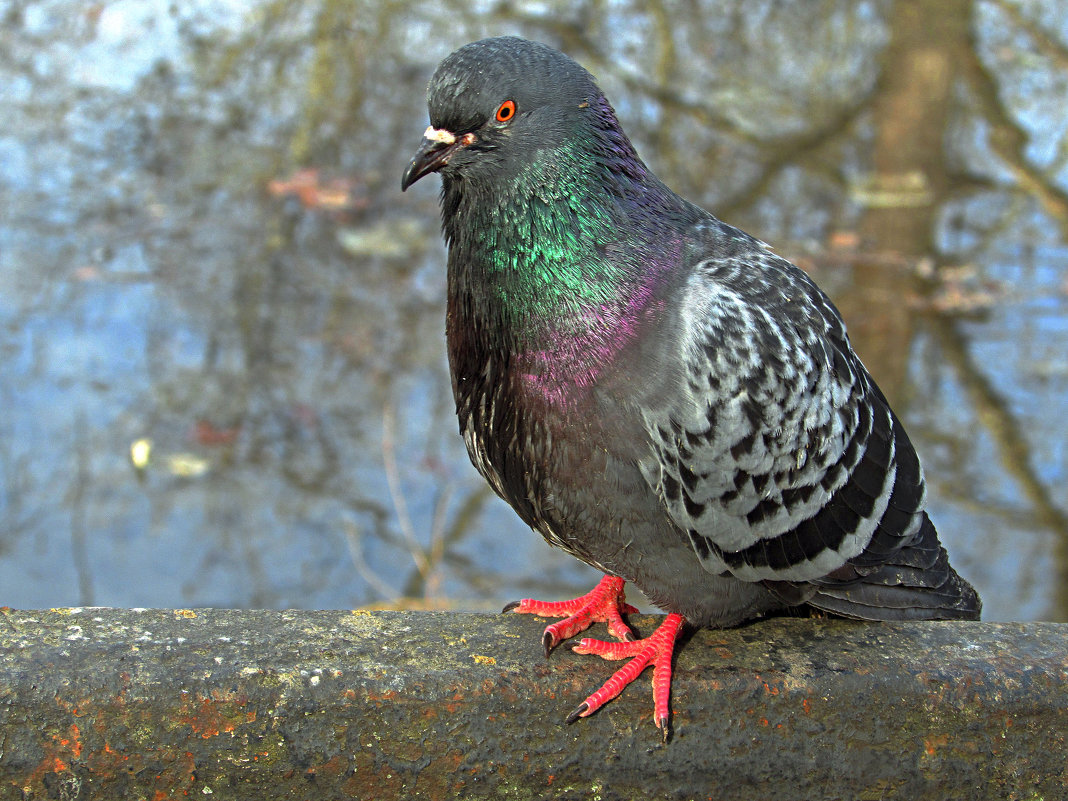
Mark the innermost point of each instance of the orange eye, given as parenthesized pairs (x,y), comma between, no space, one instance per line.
(506,111)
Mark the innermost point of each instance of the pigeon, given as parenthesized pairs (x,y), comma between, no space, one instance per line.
(655,391)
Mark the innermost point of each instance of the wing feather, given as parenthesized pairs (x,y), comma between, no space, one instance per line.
(781,459)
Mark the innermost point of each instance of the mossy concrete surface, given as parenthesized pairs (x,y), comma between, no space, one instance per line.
(220,704)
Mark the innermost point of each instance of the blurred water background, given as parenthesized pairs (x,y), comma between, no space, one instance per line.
(222,363)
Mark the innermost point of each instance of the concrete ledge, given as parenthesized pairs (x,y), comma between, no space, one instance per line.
(109,703)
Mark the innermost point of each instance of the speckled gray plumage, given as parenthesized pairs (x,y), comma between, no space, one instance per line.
(779,456)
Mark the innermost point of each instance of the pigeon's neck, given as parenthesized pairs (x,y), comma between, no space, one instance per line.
(562,268)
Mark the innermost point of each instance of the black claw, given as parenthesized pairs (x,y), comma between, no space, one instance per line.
(629,637)
(511,606)
(548,641)
(575,715)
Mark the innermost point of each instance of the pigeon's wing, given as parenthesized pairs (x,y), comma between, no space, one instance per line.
(776,453)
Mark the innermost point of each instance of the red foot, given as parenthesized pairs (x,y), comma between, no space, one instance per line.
(603,604)
(656,648)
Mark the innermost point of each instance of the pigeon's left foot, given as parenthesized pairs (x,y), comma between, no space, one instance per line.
(603,604)
(657,648)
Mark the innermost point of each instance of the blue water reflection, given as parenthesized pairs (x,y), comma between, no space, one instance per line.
(203,250)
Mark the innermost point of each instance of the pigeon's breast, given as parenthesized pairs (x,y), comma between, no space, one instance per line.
(554,438)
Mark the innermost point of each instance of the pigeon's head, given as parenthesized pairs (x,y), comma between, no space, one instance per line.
(497,103)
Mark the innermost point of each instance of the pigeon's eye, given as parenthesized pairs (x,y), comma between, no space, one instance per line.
(505,111)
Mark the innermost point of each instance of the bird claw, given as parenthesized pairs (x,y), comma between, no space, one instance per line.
(655,650)
(580,711)
(605,603)
(548,641)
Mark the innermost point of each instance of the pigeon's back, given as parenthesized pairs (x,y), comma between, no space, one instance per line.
(778,455)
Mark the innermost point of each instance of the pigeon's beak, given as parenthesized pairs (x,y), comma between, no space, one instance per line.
(434,153)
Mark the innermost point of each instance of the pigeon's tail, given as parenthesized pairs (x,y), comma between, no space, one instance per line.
(916,583)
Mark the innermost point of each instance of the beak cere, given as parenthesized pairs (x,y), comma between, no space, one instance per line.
(434,152)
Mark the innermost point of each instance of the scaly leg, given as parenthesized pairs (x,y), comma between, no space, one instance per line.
(657,648)
(605,603)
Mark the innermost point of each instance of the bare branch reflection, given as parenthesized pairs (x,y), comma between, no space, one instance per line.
(204,246)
